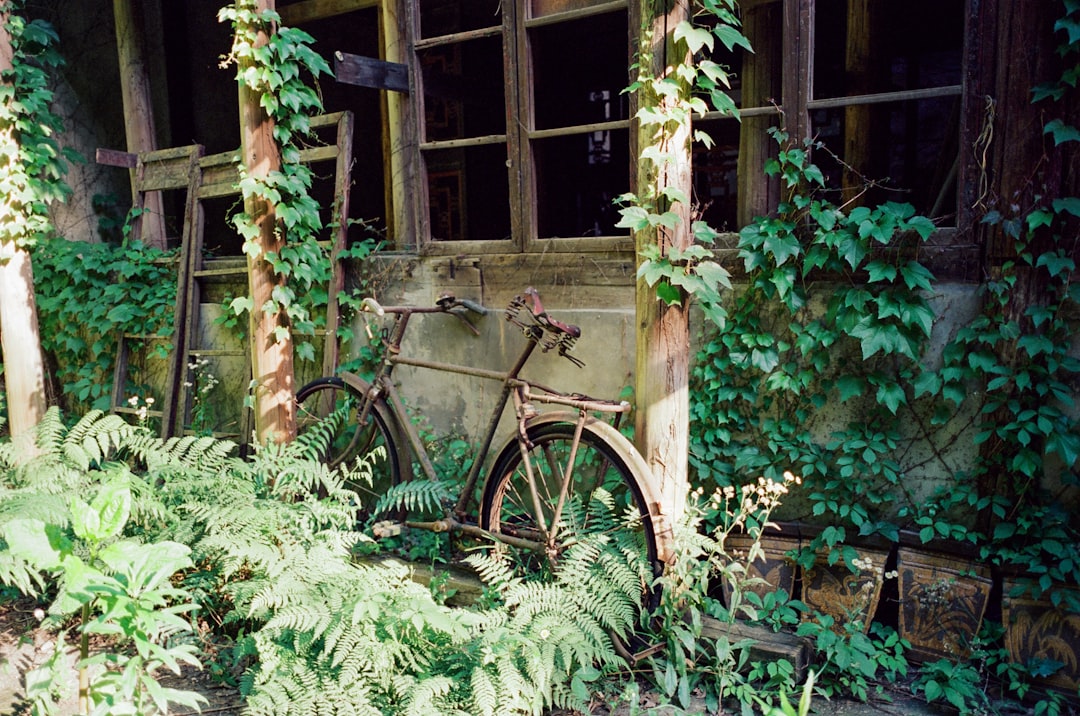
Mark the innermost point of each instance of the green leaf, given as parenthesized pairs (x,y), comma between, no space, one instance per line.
(113,506)
(695,37)
(731,37)
(1068,204)
(668,293)
(43,546)
(1061,132)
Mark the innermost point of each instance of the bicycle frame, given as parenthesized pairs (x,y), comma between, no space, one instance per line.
(524,394)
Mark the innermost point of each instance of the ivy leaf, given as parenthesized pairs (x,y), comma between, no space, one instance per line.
(241,304)
(731,37)
(891,395)
(916,276)
(668,294)
(714,274)
(695,37)
(927,383)
(634,218)
(1061,132)
(1069,204)
(782,247)
(850,386)
(881,271)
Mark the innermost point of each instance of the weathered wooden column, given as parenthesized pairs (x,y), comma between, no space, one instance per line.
(663,335)
(1013,164)
(271,341)
(860,120)
(761,85)
(138,113)
(20,342)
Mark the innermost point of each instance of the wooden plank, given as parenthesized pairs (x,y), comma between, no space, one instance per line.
(370,72)
(768,645)
(312,155)
(467,142)
(162,175)
(545,12)
(116,158)
(310,10)
(458,37)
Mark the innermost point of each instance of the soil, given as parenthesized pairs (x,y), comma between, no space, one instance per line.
(24,646)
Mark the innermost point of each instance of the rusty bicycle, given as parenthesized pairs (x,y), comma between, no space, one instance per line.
(566,472)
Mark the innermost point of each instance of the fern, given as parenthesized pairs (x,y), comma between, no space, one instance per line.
(414,496)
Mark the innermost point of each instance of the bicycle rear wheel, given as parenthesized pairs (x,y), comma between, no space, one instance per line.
(332,404)
(607,501)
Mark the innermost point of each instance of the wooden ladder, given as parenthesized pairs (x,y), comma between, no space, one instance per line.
(212,177)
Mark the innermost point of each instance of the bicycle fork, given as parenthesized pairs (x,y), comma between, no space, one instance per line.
(548,533)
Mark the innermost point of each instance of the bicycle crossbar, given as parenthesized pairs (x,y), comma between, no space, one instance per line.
(546,396)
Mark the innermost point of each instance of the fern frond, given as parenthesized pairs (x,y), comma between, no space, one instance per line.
(494,570)
(415,496)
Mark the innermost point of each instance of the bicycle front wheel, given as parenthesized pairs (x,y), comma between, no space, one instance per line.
(606,502)
(332,405)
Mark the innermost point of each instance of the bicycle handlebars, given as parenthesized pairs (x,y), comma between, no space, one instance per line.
(552,333)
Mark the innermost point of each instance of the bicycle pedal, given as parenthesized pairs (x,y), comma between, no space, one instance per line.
(386,528)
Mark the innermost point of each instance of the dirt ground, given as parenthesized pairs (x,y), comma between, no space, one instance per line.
(24,646)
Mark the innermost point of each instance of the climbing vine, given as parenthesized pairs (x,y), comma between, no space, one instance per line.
(276,72)
(668,105)
(32,163)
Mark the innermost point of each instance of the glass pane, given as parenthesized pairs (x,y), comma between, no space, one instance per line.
(896,46)
(446,17)
(716,174)
(577,178)
(468,193)
(583,85)
(908,148)
(464,94)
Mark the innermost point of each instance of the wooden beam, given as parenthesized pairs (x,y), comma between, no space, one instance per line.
(149,224)
(311,10)
(370,72)
(116,158)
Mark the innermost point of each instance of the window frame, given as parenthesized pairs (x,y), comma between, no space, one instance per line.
(521,133)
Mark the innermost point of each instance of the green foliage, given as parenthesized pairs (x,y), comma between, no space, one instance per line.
(853,659)
(792,344)
(667,105)
(32,164)
(119,586)
(275,71)
(719,668)
(89,294)
(272,545)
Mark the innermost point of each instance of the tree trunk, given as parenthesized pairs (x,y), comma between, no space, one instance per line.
(663,335)
(149,226)
(20,343)
(271,341)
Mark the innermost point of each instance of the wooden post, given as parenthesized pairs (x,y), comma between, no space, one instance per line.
(663,336)
(859,119)
(761,84)
(1016,46)
(138,115)
(271,342)
(20,342)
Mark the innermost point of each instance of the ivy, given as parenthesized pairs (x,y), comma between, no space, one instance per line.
(32,164)
(667,112)
(88,295)
(276,72)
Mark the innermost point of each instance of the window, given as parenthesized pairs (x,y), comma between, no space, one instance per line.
(878,83)
(524,130)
